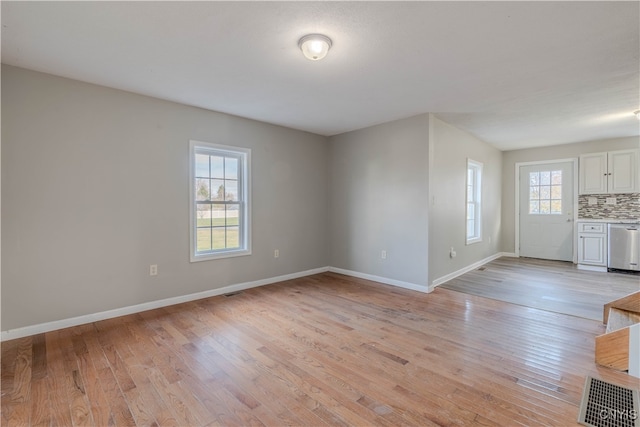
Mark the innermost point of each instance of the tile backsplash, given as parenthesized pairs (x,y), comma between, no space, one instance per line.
(627,206)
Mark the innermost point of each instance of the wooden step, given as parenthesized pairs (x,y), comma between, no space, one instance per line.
(612,349)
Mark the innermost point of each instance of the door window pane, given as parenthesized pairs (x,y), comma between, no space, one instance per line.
(545,193)
(534,206)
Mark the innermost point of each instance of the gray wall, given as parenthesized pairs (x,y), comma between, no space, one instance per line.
(379,200)
(94,190)
(566,151)
(450,148)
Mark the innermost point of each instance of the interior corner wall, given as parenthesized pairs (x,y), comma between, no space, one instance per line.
(450,149)
(379,200)
(556,152)
(95,189)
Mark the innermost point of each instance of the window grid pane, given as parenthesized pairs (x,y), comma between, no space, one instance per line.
(545,193)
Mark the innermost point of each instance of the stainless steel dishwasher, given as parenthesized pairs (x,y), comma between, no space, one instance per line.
(624,246)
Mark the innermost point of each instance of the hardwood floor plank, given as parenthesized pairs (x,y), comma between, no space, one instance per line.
(140,410)
(173,399)
(90,359)
(120,412)
(16,414)
(40,403)
(21,380)
(440,409)
(39,357)
(58,379)
(79,406)
(153,403)
(125,383)
(7,365)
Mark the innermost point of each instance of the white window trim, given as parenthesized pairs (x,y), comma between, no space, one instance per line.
(477,166)
(245,226)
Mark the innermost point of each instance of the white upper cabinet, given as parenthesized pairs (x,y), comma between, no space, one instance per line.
(623,171)
(593,173)
(612,172)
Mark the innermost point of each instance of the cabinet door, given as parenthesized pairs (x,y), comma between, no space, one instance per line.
(623,171)
(592,249)
(593,173)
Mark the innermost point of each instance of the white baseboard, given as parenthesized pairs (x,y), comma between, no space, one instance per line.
(385,280)
(439,281)
(109,314)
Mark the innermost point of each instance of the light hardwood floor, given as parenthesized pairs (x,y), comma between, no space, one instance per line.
(548,285)
(321,350)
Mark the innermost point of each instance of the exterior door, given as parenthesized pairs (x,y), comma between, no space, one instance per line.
(546,211)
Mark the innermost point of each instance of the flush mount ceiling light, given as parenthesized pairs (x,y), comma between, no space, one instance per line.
(314,46)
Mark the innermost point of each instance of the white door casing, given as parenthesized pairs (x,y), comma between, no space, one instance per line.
(546,210)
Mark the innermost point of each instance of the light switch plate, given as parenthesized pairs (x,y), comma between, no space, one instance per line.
(610,201)
(592,201)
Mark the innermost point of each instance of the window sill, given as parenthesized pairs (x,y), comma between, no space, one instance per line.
(220,255)
(474,241)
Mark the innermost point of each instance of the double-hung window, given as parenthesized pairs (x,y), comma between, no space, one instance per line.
(474,201)
(219,201)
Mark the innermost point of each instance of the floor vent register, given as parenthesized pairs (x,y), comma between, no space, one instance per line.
(608,405)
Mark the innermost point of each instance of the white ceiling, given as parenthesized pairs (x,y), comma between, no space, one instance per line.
(515,74)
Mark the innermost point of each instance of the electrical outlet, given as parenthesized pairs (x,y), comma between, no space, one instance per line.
(153,270)
(383,254)
(276,253)
(591,201)
(610,201)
